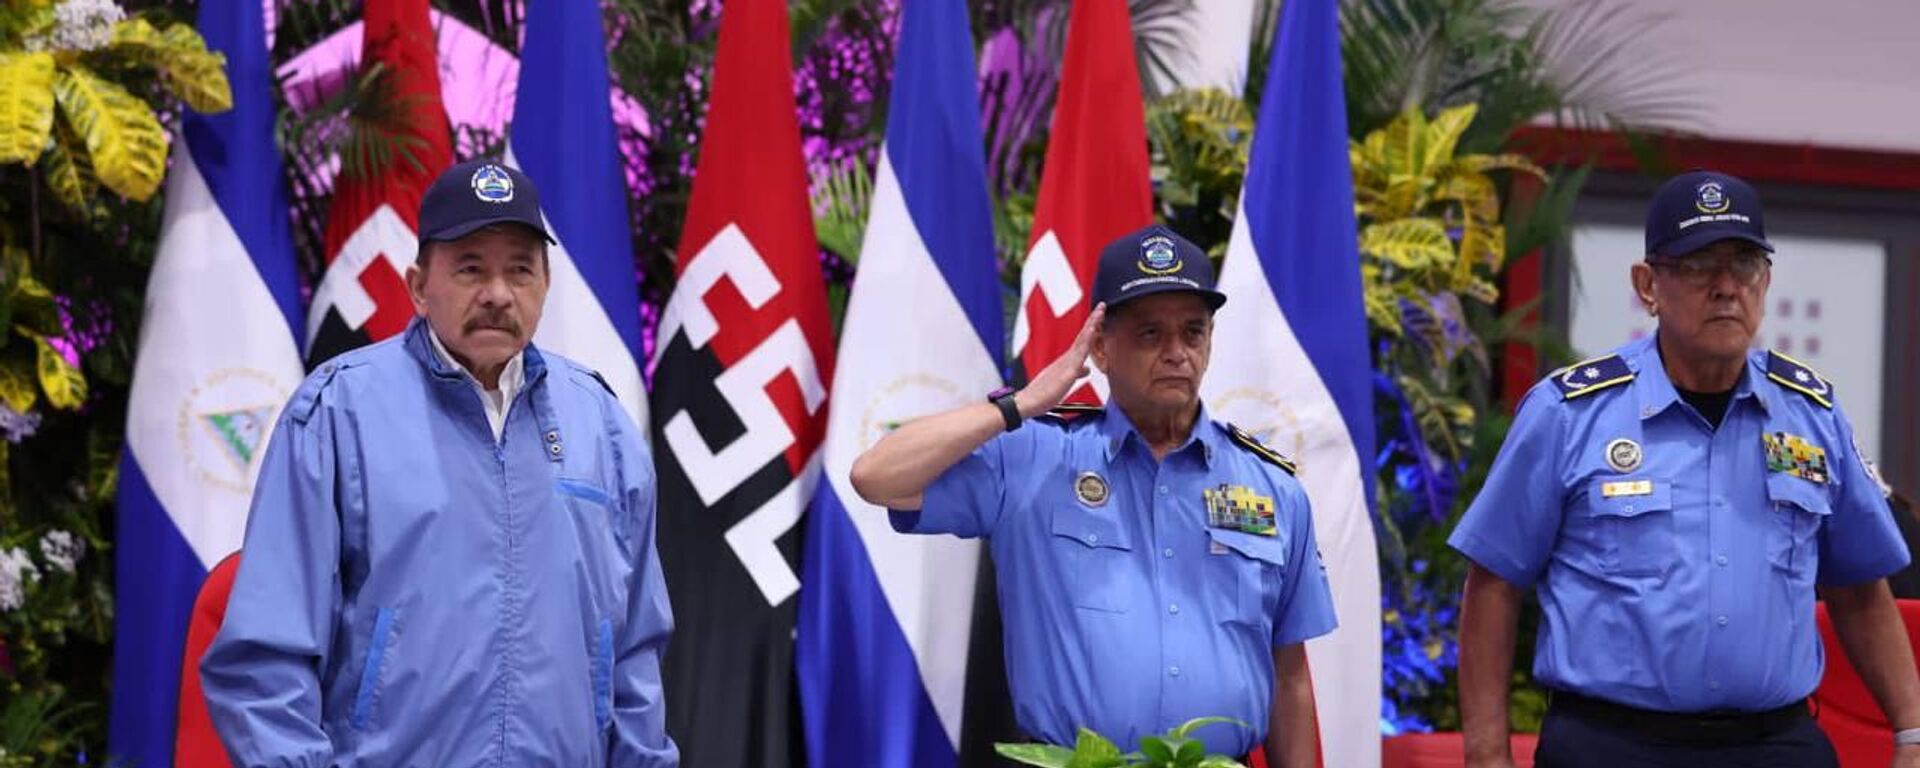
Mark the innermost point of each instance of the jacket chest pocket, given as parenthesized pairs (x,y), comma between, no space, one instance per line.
(1094,550)
(1245,572)
(1798,509)
(1633,525)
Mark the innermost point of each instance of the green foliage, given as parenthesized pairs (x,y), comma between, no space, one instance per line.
(1174,749)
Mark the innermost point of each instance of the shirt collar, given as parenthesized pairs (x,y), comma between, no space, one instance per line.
(1656,391)
(1115,428)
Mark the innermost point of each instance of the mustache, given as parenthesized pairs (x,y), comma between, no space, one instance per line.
(500,321)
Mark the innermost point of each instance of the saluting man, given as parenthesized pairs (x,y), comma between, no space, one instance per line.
(1155,565)
(1674,504)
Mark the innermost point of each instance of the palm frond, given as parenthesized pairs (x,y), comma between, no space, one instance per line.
(842,196)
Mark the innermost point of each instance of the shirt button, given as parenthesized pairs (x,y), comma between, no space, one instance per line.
(1629,509)
(1722,621)
(1173,671)
(1163,490)
(1721,560)
(1167,552)
(553,436)
(1173,608)
(1093,538)
(554,449)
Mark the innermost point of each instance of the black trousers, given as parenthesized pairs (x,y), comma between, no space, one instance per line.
(1571,740)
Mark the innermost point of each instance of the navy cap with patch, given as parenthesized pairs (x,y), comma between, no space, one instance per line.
(1153,260)
(1699,208)
(475,194)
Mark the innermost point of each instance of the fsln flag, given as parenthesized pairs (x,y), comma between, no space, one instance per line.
(1095,187)
(740,407)
(1290,353)
(563,138)
(218,356)
(885,617)
(372,224)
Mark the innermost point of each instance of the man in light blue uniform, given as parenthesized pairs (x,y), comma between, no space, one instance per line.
(1154,565)
(1674,504)
(450,557)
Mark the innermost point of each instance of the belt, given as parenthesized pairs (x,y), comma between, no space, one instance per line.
(1698,728)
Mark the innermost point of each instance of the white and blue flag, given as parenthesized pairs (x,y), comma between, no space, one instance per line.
(885,617)
(1290,357)
(563,138)
(218,356)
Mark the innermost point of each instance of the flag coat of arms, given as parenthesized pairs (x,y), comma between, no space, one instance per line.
(884,620)
(739,408)
(218,356)
(1290,353)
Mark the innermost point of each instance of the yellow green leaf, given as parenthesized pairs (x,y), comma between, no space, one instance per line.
(1484,163)
(1404,145)
(1475,193)
(198,76)
(1408,243)
(69,174)
(1443,134)
(64,385)
(124,142)
(26,104)
(16,388)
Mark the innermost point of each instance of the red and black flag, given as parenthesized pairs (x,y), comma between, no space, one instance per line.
(739,409)
(372,222)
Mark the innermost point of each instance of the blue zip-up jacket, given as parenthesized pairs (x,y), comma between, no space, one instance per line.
(414,593)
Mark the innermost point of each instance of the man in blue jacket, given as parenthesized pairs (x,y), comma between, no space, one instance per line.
(450,556)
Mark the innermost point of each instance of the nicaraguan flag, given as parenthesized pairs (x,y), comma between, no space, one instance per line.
(1290,353)
(562,137)
(218,356)
(884,617)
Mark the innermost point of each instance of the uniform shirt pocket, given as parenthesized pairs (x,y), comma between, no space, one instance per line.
(1247,570)
(1799,509)
(585,499)
(1092,547)
(1633,519)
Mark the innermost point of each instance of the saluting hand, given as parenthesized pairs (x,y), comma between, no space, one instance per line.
(1051,386)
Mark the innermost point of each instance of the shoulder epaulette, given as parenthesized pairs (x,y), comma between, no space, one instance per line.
(1246,440)
(1066,412)
(306,399)
(596,377)
(1799,377)
(1590,376)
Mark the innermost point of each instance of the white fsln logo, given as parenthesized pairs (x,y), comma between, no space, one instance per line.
(730,256)
(382,235)
(1048,272)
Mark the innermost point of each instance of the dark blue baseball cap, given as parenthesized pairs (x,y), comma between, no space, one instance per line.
(1153,260)
(1699,208)
(475,194)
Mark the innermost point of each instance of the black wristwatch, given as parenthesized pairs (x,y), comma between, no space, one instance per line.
(1002,398)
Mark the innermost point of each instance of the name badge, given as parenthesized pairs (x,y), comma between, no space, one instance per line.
(1626,488)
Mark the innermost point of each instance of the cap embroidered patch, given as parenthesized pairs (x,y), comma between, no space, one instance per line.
(1158,257)
(1710,197)
(491,184)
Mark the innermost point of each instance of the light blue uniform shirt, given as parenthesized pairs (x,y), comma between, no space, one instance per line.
(1133,615)
(1686,583)
(415,593)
